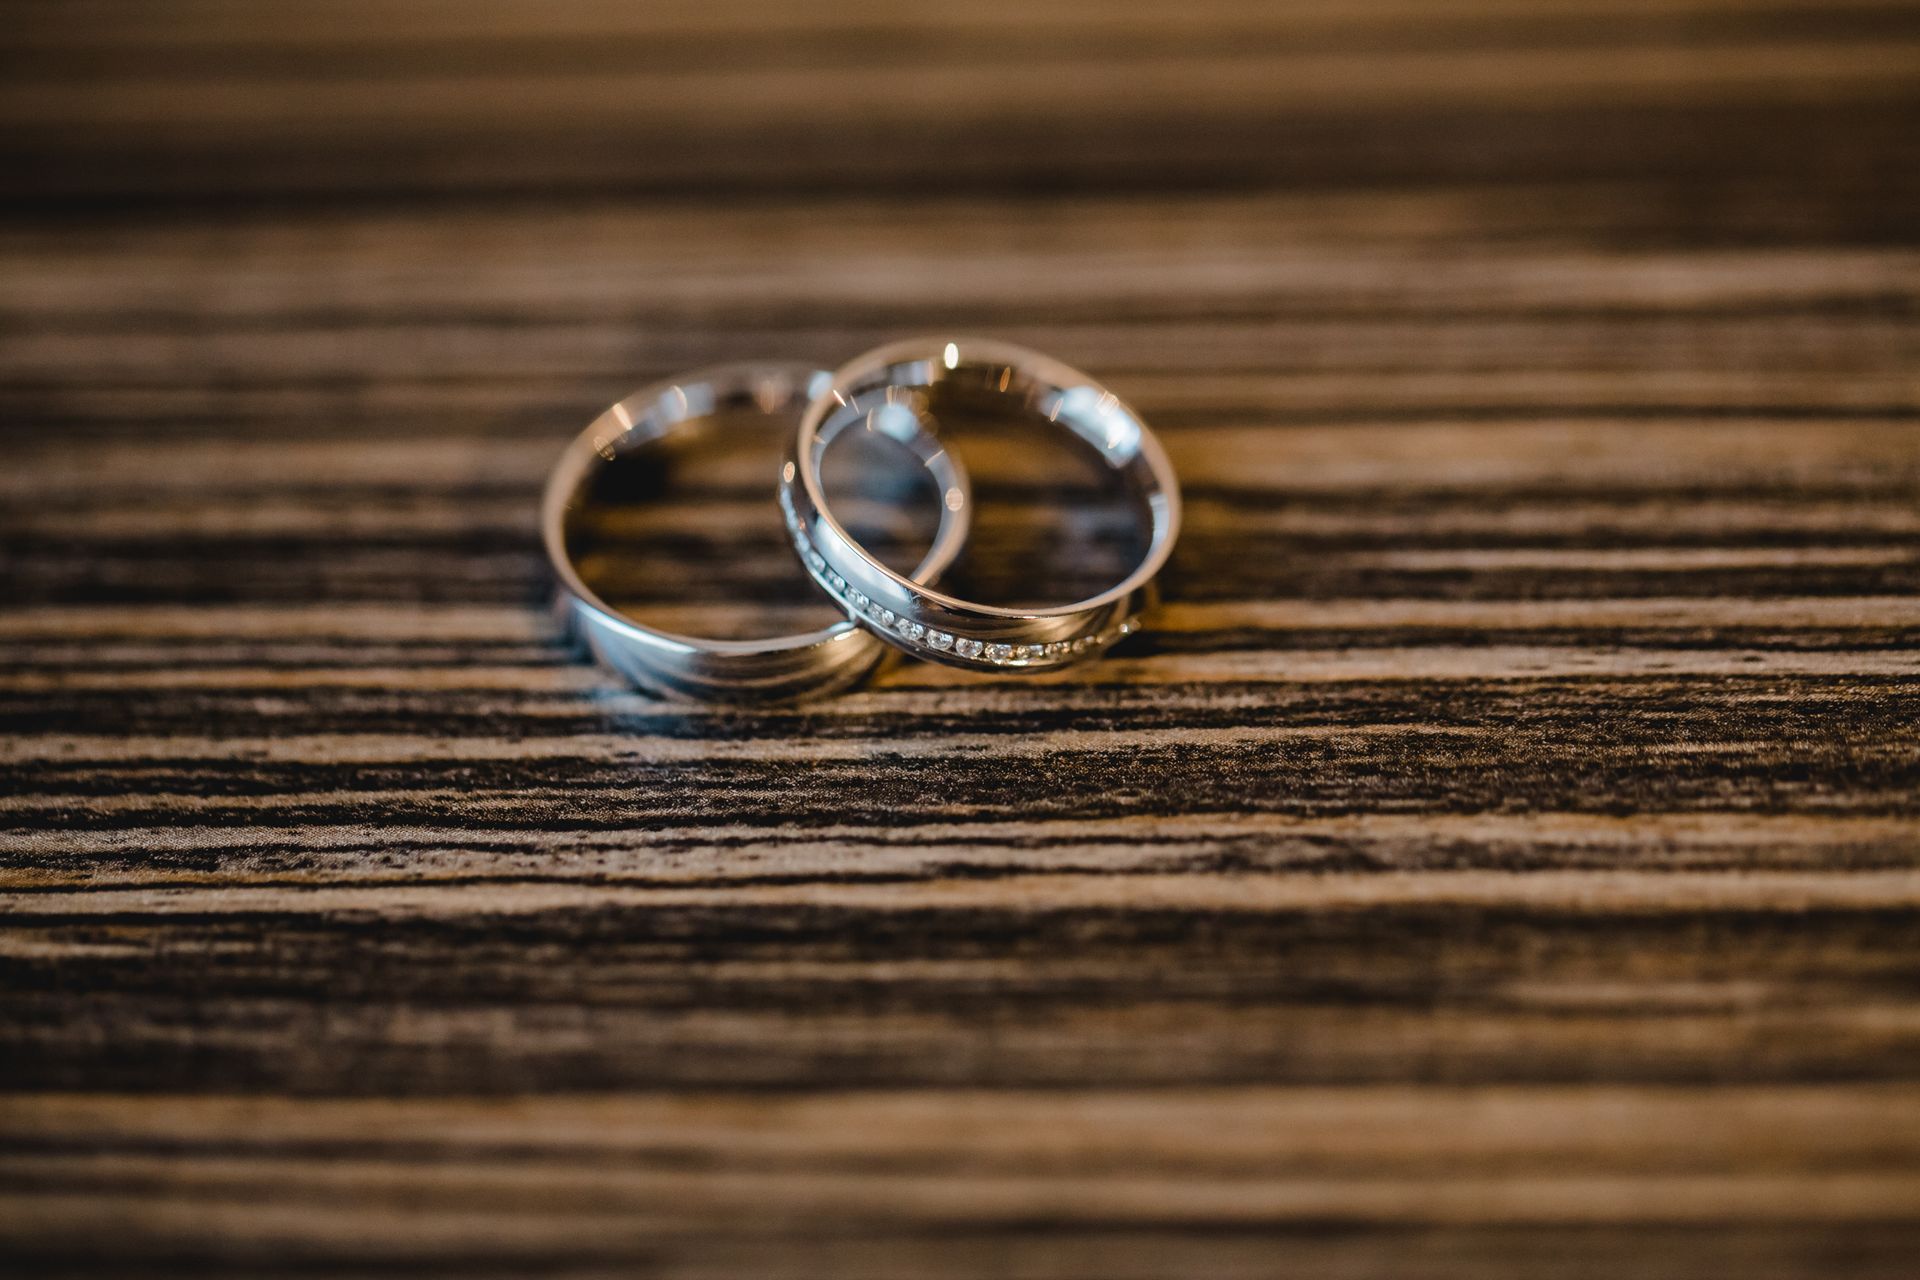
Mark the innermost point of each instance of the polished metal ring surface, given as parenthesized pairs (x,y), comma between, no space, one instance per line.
(886,390)
(781,668)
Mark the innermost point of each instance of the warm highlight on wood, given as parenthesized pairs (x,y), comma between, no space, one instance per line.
(1500,860)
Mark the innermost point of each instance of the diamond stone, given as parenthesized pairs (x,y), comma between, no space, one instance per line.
(857,599)
(998,652)
(813,558)
(939,639)
(913,630)
(967,648)
(886,617)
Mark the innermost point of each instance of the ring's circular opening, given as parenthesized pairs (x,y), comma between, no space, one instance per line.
(1052,522)
(681,533)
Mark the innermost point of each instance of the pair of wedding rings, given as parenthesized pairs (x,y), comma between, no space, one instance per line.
(887,392)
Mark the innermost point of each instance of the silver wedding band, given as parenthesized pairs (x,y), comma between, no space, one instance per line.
(887,392)
(662,662)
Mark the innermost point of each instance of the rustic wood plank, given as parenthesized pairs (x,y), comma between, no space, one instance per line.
(1500,858)
(415,97)
(711,1183)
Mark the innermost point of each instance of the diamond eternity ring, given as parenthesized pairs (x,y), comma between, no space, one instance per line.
(887,391)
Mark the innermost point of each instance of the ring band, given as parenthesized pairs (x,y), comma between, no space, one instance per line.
(884,390)
(781,668)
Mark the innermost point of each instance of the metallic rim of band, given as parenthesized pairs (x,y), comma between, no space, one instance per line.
(778,668)
(884,390)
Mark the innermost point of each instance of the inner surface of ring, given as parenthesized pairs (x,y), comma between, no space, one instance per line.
(679,530)
(1059,514)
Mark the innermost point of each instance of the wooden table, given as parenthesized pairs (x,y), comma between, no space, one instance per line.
(1502,859)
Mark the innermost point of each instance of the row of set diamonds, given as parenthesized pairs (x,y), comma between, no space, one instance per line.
(942,641)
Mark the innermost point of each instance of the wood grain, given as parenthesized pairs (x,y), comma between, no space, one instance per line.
(1501,857)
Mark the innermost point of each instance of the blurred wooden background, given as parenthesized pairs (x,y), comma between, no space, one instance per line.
(1503,861)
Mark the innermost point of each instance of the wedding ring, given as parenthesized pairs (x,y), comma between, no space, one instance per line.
(785,667)
(887,391)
